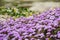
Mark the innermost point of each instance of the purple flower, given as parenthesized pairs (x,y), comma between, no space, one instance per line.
(47,27)
(47,39)
(52,17)
(58,34)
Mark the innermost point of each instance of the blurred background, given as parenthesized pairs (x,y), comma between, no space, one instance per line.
(34,5)
(17,8)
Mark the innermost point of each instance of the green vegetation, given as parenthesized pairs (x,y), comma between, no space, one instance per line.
(16,11)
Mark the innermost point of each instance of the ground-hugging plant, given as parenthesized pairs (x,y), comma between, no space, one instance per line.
(45,26)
